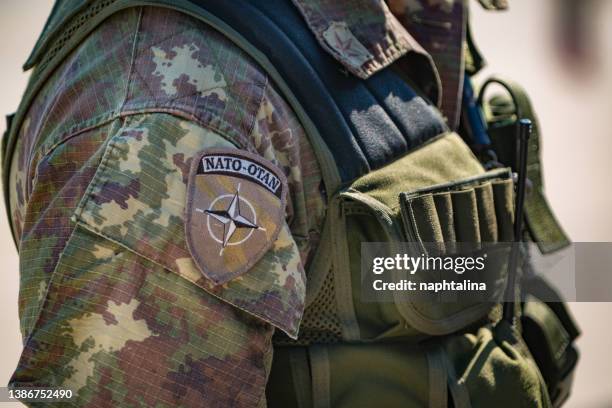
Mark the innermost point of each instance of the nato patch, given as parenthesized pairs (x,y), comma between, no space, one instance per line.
(234,212)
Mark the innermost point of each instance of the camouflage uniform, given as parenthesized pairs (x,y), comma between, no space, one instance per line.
(111,303)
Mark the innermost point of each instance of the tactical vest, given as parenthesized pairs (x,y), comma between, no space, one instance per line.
(393,172)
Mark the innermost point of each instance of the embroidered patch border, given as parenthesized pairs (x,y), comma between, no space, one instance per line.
(234,211)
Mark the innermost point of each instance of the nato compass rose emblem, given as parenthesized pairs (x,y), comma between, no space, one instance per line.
(234,212)
(232,219)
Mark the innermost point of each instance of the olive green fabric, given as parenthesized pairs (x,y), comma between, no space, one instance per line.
(444,209)
(468,370)
(495,362)
(289,383)
(549,331)
(467,229)
(427,226)
(395,376)
(397,203)
(412,365)
(471,207)
(554,336)
(487,221)
(442,160)
(470,215)
(504,209)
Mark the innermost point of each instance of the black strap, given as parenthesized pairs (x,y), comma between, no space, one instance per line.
(365,123)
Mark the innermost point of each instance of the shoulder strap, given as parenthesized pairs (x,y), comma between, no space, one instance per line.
(364,123)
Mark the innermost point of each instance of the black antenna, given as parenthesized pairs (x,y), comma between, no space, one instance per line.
(524,131)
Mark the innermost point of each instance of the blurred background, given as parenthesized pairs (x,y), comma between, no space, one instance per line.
(560,50)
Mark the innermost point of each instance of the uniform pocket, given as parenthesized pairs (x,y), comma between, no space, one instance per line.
(137,199)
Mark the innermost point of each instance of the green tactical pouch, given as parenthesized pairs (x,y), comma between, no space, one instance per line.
(404,352)
(502,113)
(549,331)
(490,367)
(438,193)
(461,218)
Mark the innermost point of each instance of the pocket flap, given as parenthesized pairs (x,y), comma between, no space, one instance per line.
(458,219)
(477,209)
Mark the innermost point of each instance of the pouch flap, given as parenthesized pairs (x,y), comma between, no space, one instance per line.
(540,325)
(458,220)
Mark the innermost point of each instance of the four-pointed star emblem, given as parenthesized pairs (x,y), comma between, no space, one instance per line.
(231,218)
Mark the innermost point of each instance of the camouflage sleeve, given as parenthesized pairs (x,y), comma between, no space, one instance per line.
(112,304)
(127,316)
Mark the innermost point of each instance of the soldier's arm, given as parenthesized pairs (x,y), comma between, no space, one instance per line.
(113,303)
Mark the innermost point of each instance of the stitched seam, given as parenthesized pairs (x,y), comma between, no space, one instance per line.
(46,296)
(259,105)
(108,117)
(189,116)
(75,131)
(132,57)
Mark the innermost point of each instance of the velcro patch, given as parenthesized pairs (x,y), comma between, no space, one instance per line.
(235,208)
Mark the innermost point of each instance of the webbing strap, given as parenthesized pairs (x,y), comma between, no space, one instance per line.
(319,362)
(298,359)
(438,374)
(541,222)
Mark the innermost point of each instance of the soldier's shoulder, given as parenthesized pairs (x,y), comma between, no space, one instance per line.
(184,65)
(150,59)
